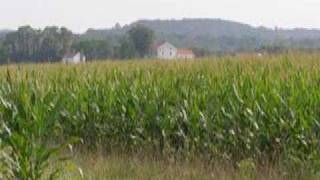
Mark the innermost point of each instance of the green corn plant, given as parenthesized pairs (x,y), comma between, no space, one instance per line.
(27,126)
(231,108)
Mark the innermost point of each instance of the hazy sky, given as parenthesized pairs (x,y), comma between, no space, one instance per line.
(79,15)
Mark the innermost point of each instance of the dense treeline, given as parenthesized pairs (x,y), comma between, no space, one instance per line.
(95,49)
(204,36)
(135,43)
(28,44)
(50,44)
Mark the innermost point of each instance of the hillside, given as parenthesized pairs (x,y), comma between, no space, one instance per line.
(212,34)
(4,32)
(217,34)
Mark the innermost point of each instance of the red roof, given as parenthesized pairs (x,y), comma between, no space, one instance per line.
(185,52)
(157,45)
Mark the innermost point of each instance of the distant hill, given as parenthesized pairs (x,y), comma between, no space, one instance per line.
(216,34)
(3,33)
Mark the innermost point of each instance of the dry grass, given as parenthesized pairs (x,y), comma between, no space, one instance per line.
(96,166)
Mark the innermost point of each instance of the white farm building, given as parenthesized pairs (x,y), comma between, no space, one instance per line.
(168,51)
(74,58)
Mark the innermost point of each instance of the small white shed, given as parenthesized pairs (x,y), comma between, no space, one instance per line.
(75,58)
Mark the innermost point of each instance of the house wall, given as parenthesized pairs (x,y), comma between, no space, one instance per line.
(185,56)
(75,59)
(83,58)
(167,51)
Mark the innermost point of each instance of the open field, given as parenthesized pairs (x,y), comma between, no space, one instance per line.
(256,115)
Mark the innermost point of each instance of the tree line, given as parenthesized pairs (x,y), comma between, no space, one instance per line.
(28,44)
(205,37)
(50,44)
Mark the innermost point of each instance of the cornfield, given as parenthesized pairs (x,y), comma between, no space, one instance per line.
(232,107)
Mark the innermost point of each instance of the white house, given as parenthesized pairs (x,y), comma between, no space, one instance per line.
(168,51)
(75,58)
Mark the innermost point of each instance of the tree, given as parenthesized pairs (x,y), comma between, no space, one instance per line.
(200,52)
(3,55)
(142,38)
(55,42)
(67,38)
(22,44)
(28,44)
(126,49)
(94,49)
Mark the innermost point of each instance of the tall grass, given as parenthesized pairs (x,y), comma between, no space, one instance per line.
(233,108)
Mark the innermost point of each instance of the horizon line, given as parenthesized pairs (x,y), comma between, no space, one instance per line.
(164,19)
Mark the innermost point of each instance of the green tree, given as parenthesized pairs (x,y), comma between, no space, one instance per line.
(22,45)
(126,49)
(201,52)
(28,44)
(94,49)
(54,43)
(142,38)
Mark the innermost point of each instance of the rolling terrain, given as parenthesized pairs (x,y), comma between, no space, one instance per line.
(217,34)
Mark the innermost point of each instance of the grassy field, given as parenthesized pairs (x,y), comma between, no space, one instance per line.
(225,118)
(137,167)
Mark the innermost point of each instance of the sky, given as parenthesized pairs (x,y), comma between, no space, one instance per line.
(79,15)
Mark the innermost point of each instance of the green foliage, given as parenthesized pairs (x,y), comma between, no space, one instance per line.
(28,44)
(218,35)
(247,169)
(206,36)
(201,52)
(142,38)
(265,108)
(95,49)
(28,128)
(49,45)
(126,50)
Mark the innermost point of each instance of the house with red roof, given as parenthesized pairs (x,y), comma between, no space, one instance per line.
(168,51)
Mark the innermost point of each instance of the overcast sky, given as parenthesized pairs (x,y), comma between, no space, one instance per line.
(80,15)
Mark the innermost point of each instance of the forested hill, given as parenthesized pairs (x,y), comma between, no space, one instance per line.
(3,33)
(217,34)
(204,36)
